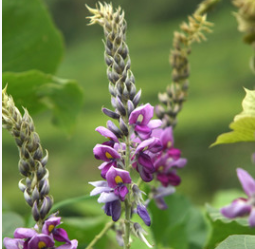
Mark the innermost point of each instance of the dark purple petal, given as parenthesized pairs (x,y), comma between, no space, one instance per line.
(73,244)
(141,115)
(252,218)
(143,213)
(60,235)
(107,133)
(24,233)
(107,197)
(174,153)
(152,144)
(169,178)
(10,243)
(121,191)
(113,209)
(50,224)
(105,166)
(146,162)
(147,177)
(105,153)
(236,209)
(117,176)
(248,183)
(40,241)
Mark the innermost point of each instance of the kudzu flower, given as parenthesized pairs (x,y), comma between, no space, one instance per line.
(107,154)
(168,159)
(112,191)
(143,163)
(143,213)
(108,134)
(140,119)
(243,206)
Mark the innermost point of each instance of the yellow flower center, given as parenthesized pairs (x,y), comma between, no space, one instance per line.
(160,168)
(50,228)
(108,155)
(118,179)
(140,118)
(41,245)
(169,144)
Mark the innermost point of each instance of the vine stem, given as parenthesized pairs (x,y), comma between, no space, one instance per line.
(100,235)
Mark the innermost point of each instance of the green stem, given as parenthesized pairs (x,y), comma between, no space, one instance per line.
(100,235)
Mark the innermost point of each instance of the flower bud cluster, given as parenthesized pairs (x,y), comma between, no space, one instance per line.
(176,93)
(32,163)
(246,19)
(121,79)
(31,238)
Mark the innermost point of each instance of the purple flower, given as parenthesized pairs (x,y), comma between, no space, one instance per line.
(108,134)
(73,244)
(143,162)
(28,239)
(113,209)
(40,241)
(117,178)
(49,227)
(107,154)
(140,118)
(241,206)
(143,213)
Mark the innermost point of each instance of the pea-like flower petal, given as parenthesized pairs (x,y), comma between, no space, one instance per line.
(117,176)
(248,183)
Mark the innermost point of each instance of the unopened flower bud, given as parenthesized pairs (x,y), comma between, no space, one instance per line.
(28,198)
(110,113)
(113,128)
(140,232)
(22,186)
(137,97)
(35,195)
(35,212)
(130,107)
(123,127)
(44,187)
(46,206)
(120,107)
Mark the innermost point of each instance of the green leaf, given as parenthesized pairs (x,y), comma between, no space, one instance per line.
(238,242)
(180,226)
(37,91)
(244,123)
(30,40)
(10,222)
(221,227)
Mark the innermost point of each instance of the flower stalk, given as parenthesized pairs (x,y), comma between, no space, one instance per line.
(176,93)
(33,159)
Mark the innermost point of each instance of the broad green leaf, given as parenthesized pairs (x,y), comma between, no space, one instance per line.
(10,222)
(244,123)
(37,91)
(180,226)
(238,242)
(221,228)
(243,131)
(248,105)
(30,40)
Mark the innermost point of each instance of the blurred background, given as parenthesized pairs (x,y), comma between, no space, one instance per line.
(219,71)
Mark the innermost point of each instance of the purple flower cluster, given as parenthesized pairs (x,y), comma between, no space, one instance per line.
(243,206)
(28,238)
(151,154)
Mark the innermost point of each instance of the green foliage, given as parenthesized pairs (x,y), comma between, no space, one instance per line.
(11,221)
(221,227)
(37,91)
(30,40)
(32,50)
(181,226)
(237,242)
(244,123)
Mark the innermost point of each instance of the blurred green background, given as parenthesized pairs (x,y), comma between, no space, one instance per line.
(219,71)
